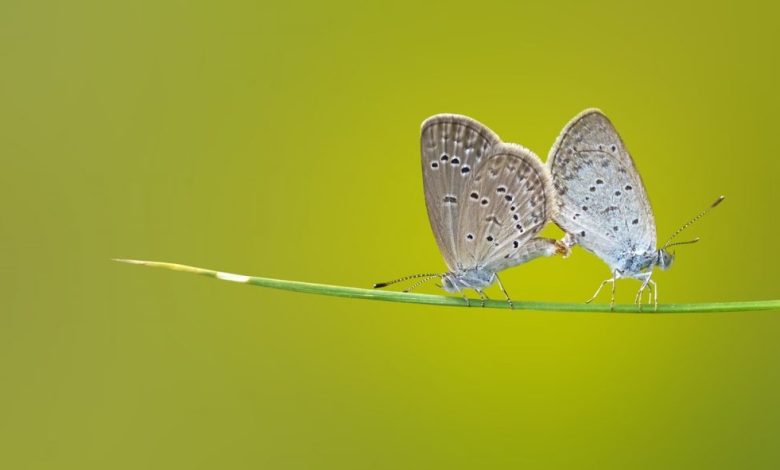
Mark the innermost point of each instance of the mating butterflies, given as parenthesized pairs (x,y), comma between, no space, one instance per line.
(486,200)
(602,203)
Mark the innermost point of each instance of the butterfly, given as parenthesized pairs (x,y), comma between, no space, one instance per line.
(602,204)
(487,200)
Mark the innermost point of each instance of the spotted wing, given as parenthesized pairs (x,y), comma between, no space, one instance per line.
(451,147)
(505,205)
(602,202)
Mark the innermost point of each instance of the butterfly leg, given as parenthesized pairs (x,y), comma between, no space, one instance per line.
(645,281)
(482,297)
(651,294)
(638,297)
(612,297)
(598,291)
(505,293)
(654,290)
(468,302)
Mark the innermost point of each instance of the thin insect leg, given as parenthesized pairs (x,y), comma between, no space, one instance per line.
(612,298)
(654,286)
(505,293)
(650,291)
(482,296)
(638,298)
(638,302)
(468,303)
(612,280)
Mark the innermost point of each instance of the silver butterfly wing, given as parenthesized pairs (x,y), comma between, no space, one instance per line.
(602,202)
(506,204)
(452,146)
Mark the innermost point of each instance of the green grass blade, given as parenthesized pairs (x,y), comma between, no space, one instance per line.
(395,296)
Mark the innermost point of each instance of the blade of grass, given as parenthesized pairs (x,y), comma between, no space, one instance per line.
(395,296)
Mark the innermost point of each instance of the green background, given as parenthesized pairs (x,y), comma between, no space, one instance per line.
(281,140)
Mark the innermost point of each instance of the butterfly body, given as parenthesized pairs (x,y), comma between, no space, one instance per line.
(473,278)
(630,262)
(481,277)
(636,264)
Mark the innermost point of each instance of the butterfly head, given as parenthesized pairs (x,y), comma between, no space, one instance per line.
(448,283)
(664,259)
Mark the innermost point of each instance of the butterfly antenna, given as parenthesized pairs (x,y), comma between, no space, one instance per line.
(689,223)
(379,285)
(420,282)
(689,242)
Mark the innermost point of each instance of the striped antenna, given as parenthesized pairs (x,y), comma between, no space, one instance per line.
(379,285)
(419,283)
(689,223)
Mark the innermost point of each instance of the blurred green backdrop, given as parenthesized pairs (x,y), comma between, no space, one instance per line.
(281,139)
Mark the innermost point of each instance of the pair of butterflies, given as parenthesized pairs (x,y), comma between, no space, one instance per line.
(488,200)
